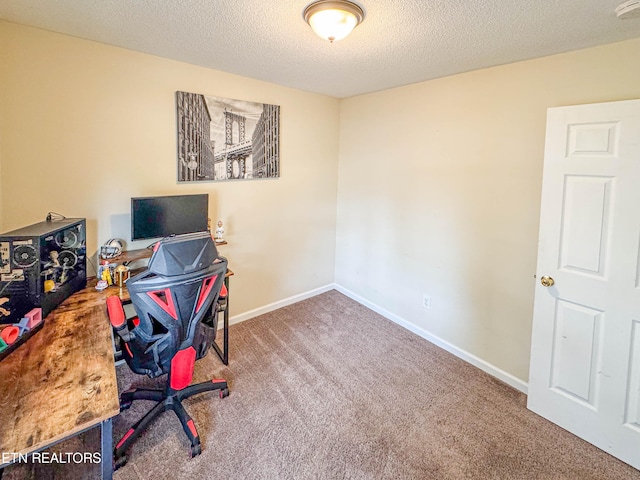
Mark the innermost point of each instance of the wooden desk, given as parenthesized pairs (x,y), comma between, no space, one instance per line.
(62,381)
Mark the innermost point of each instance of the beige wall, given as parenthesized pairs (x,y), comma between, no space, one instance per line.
(87,126)
(439,193)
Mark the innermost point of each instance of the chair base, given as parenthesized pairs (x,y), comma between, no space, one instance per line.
(168,399)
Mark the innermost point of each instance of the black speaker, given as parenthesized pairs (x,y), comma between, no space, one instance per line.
(40,266)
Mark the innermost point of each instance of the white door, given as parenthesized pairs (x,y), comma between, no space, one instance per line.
(585,346)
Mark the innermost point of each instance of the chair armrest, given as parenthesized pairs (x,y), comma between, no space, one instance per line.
(116,312)
(117,318)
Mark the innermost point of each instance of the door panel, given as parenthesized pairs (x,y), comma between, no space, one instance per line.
(632,417)
(597,139)
(576,347)
(585,225)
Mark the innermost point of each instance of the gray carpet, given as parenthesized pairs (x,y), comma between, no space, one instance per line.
(327,389)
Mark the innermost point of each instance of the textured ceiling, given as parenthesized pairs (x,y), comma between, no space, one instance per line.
(399,42)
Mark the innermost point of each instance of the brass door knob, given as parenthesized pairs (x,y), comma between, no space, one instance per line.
(547,281)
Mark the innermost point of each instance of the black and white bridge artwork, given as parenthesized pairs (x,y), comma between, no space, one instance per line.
(224,139)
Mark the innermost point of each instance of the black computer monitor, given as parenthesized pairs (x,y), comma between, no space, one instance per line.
(158,217)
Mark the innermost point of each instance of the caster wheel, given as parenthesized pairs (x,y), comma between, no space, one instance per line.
(196,450)
(224,393)
(120,462)
(125,406)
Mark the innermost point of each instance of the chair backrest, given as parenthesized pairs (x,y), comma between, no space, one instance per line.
(174,300)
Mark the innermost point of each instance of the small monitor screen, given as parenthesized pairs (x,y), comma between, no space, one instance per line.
(157,217)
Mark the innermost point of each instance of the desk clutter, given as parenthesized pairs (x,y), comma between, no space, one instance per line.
(112,270)
(14,335)
(110,273)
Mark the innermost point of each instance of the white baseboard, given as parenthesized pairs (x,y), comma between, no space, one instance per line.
(279,304)
(458,352)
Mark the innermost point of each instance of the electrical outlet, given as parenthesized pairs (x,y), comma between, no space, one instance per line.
(426,301)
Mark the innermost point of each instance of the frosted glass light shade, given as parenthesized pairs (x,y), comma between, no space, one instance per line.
(333,20)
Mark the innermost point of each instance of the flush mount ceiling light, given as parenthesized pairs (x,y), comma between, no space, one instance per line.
(333,19)
(630,9)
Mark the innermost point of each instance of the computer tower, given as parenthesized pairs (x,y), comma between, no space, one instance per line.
(40,266)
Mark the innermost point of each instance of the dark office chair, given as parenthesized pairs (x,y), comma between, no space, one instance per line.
(176,300)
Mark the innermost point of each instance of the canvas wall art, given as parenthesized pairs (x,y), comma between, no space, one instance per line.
(222,139)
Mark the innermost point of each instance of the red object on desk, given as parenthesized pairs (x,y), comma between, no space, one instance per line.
(10,334)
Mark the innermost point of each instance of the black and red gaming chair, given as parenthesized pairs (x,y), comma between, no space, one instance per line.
(176,301)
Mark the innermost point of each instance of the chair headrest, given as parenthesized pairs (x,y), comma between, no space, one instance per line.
(182,254)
